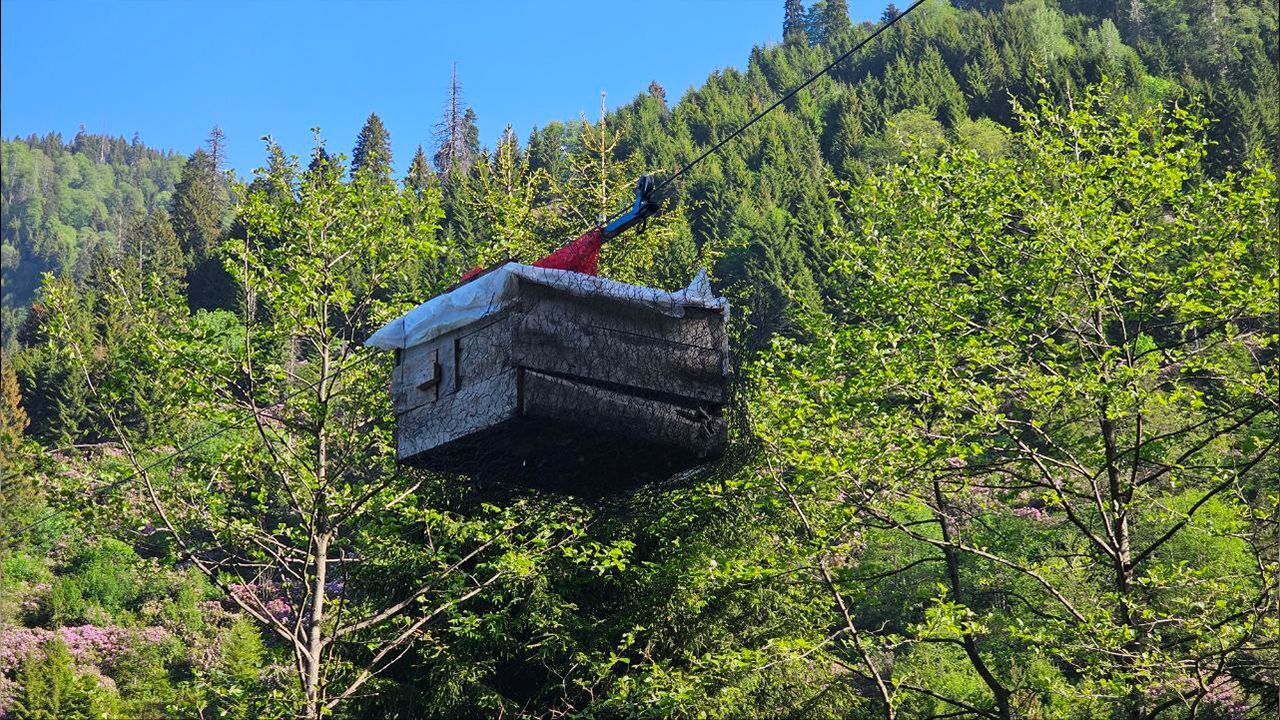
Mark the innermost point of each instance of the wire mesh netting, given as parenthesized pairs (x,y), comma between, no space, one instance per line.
(560,379)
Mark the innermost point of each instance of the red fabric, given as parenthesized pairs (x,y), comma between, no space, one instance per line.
(581,255)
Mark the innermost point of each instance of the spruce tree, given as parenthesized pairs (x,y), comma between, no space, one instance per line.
(793,21)
(418,178)
(455,149)
(372,153)
(13,419)
(783,297)
(275,176)
(196,212)
(656,90)
(49,687)
(462,221)
(151,248)
(217,147)
(470,138)
(547,149)
(833,21)
(21,488)
(320,158)
(199,201)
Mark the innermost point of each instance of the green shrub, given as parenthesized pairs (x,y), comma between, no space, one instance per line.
(100,577)
(182,605)
(66,601)
(21,567)
(49,688)
(107,573)
(144,679)
(234,687)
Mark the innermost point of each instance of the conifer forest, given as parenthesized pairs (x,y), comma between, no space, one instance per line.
(1003,407)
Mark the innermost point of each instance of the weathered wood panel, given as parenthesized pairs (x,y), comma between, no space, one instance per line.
(556,398)
(699,326)
(475,407)
(416,380)
(622,358)
(559,388)
(483,350)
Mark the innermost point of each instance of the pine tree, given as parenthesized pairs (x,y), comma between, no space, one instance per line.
(275,176)
(470,139)
(783,296)
(53,393)
(505,198)
(372,153)
(656,90)
(547,149)
(597,181)
(419,176)
(49,688)
(21,489)
(13,419)
(235,682)
(199,202)
(793,21)
(157,249)
(320,158)
(196,214)
(833,21)
(463,224)
(843,133)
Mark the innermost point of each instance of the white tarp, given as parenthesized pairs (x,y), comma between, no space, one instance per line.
(493,291)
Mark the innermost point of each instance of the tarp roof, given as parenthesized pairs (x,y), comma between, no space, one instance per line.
(495,290)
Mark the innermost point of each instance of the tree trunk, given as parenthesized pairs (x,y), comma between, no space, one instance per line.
(315,640)
(998,691)
(1122,566)
(320,545)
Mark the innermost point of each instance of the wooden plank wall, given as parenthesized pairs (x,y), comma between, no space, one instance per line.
(476,407)
(611,411)
(570,359)
(619,358)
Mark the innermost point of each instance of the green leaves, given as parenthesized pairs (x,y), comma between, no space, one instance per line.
(310,240)
(1047,378)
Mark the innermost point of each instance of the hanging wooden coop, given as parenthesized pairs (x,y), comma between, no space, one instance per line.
(560,379)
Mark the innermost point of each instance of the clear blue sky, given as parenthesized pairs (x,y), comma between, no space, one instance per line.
(171,70)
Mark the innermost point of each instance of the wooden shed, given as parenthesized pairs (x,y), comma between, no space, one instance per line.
(562,380)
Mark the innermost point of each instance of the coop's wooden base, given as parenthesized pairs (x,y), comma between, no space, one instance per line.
(558,433)
(566,391)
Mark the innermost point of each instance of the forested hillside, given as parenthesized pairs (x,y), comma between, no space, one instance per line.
(1004,415)
(63,201)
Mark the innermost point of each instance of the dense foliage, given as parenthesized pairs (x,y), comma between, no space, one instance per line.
(1006,323)
(62,202)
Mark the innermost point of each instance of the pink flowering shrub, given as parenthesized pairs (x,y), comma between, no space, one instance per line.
(265,596)
(1227,696)
(88,644)
(1222,694)
(1031,513)
(32,603)
(8,689)
(279,608)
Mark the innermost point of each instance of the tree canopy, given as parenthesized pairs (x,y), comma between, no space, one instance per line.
(1003,417)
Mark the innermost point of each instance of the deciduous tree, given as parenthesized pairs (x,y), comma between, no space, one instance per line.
(1051,398)
(310,508)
